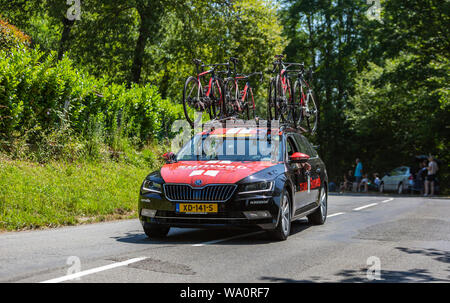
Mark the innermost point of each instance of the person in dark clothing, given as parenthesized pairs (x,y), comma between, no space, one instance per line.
(348,182)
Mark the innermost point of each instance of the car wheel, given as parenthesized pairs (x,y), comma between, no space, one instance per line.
(155,230)
(400,188)
(382,188)
(320,215)
(283,229)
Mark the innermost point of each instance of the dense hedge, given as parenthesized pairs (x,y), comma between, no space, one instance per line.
(39,92)
(11,36)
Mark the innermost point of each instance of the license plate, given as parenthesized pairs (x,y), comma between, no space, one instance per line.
(197,208)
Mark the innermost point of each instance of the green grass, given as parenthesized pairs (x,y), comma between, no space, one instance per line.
(54,194)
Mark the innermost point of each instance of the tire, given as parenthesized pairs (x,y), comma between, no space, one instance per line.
(320,215)
(400,188)
(296,107)
(381,188)
(283,229)
(283,102)
(310,120)
(272,113)
(250,108)
(231,95)
(217,106)
(155,230)
(190,92)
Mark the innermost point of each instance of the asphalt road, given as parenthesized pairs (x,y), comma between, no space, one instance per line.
(410,236)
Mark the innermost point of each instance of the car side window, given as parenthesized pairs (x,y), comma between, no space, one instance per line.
(291,146)
(395,172)
(305,146)
(311,148)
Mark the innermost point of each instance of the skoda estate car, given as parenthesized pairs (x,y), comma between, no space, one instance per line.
(237,177)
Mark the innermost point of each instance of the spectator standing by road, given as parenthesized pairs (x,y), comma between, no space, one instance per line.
(429,181)
(358,172)
(421,176)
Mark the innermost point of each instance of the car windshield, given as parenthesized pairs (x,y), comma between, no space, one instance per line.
(232,148)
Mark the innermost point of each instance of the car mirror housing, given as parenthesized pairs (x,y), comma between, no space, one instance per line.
(299,158)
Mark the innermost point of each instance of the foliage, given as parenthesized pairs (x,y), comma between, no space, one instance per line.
(39,94)
(11,36)
(59,193)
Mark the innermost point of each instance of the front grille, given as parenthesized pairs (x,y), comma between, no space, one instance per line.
(208,193)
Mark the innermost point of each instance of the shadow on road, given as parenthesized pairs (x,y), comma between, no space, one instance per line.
(387,276)
(352,276)
(436,254)
(195,236)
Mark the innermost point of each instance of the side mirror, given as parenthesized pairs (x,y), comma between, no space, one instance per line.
(298,158)
(169,157)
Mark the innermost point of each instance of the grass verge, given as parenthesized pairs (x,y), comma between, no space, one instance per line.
(54,194)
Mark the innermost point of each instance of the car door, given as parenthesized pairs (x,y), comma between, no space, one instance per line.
(314,161)
(390,180)
(301,195)
(398,178)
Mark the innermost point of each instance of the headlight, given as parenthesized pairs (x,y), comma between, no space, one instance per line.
(150,186)
(256,187)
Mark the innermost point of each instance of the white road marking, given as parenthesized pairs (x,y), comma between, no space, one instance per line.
(334,215)
(365,206)
(388,200)
(227,239)
(94,270)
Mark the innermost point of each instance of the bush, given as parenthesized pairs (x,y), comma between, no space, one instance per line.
(50,102)
(11,36)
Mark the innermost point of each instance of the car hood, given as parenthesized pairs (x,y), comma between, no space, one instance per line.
(200,173)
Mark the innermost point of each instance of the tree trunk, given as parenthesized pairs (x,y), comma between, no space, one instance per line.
(139,51)
(65,37)
(150,16)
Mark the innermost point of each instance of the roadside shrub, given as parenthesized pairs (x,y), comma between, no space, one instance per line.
(11,36)
(50,102)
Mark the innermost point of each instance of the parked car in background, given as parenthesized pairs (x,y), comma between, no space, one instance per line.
(399,180)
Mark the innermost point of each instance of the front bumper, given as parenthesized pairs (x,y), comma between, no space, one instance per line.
(246,210)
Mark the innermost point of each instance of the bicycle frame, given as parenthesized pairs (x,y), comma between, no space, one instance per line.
(210,83)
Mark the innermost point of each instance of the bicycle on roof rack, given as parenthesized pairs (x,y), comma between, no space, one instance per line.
(304,109)
(289,104)
(201,98)
(280,92)
(239,103)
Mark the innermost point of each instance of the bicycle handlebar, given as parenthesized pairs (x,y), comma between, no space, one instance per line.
(216,65)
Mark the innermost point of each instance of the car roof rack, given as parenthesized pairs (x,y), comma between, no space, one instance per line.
(283,126)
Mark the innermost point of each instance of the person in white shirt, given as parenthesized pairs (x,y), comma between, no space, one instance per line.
(376,180)
(431,176)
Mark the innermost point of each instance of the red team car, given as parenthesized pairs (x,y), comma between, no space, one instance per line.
(242,177)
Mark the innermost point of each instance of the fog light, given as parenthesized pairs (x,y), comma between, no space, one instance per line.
(148,212)
(258,214)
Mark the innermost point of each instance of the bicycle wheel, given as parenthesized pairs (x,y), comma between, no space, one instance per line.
(250,102)
(217,100)
(272,113)
(310,114)
(284,98)
(231,97)
(192,99)
(299,101)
